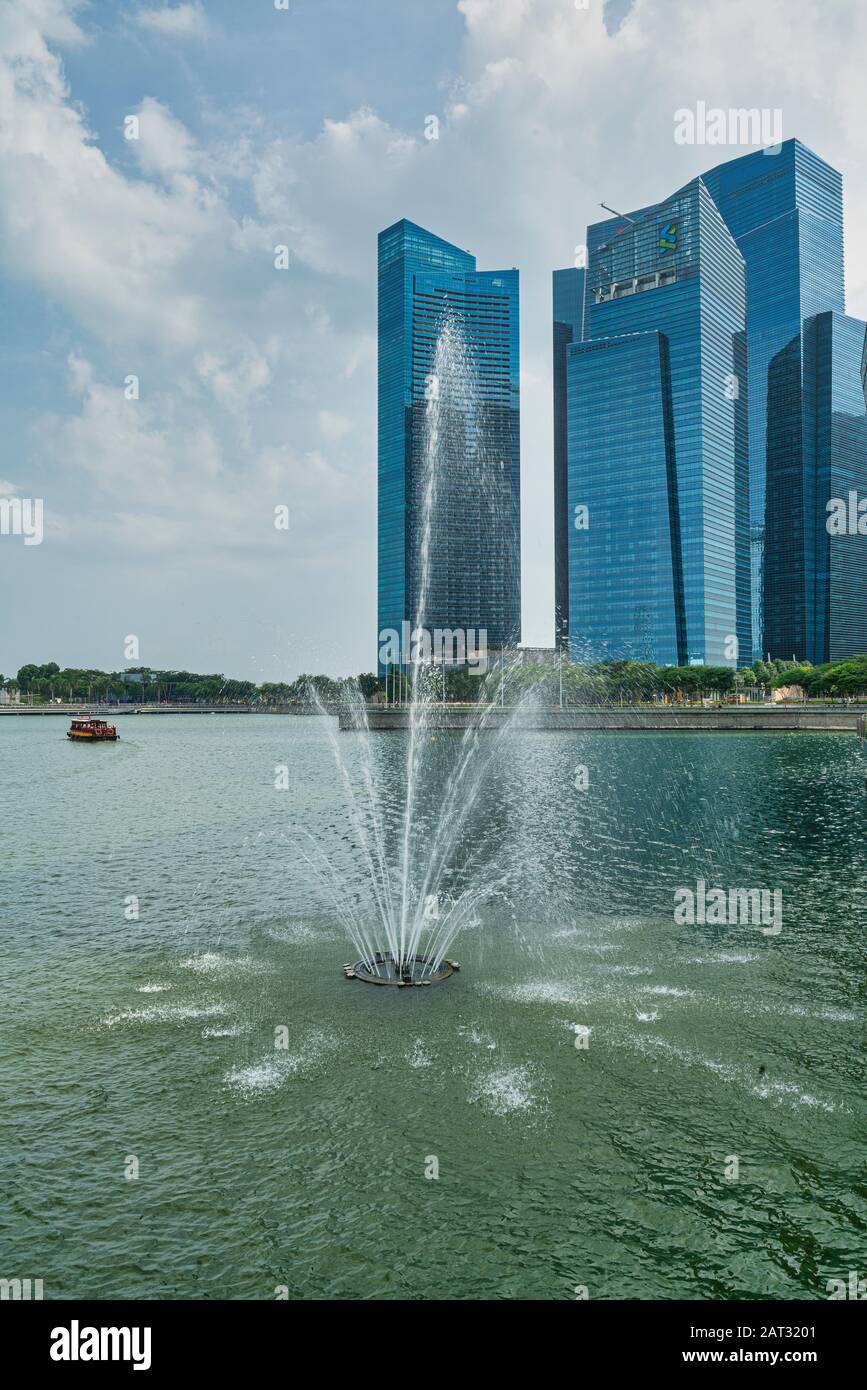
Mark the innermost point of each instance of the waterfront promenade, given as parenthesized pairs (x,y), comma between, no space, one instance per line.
(83,710)
(825,718)
(668,718)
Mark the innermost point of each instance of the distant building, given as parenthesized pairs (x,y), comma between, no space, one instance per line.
(657,441)
(787,692)
(538,656)
(794,381)
(568,306)
(816,552)
(785,211)
(135,678)
(448,393)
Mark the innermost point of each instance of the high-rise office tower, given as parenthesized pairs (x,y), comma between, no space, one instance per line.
(658,489)
(568,303)
(449,439)
(785,211)
(815,536)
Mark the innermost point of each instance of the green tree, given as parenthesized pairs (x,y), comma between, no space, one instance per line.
(368,684)
(26,677)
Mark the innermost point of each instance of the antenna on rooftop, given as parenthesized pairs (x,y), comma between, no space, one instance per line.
(619,214)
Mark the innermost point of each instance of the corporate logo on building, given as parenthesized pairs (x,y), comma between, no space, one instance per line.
(667,240)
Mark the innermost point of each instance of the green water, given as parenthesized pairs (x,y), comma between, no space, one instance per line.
(303,1167)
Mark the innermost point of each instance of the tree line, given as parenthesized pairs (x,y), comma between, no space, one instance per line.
(639,682)
(599,683)
(140,685)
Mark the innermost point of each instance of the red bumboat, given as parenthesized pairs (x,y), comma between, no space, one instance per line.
(91,730)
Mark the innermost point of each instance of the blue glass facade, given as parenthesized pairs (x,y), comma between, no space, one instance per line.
(431,295)
(785,212)
(657,441)
(568,317)
(816,580)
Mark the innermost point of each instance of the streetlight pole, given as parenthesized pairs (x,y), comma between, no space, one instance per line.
(564,623)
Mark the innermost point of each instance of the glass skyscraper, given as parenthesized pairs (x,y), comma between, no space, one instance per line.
(449,439)
(785,211)
(658,487)
(816,577)
(568,302)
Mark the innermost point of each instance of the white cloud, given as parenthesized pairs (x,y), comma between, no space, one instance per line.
(164,145)
(113,250)
(331,192)
(333,426)
(259,385)
(549,115)
(164,479)
(26,25)
(187,20)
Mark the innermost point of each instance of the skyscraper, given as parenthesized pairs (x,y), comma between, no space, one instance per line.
(449,439)
(657,441)
(785,211)
(568,302)
(816,559)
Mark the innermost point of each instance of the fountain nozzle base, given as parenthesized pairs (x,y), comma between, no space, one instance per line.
(412,971)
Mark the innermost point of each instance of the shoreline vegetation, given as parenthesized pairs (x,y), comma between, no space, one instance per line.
(567,685)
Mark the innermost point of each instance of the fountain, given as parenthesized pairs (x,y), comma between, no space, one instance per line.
(410,857)
(385,970)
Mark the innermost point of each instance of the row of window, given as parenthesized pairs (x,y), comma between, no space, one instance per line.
(619,289)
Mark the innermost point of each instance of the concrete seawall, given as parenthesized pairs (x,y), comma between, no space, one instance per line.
(736,719)
(120,711)
(125,711)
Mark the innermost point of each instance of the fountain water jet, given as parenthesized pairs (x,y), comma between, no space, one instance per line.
(410,863)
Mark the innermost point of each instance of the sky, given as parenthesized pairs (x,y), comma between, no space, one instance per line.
(164,386)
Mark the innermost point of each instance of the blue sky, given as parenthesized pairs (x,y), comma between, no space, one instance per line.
(257,127)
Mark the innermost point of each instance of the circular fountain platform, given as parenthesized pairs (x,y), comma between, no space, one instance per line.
(384,970)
